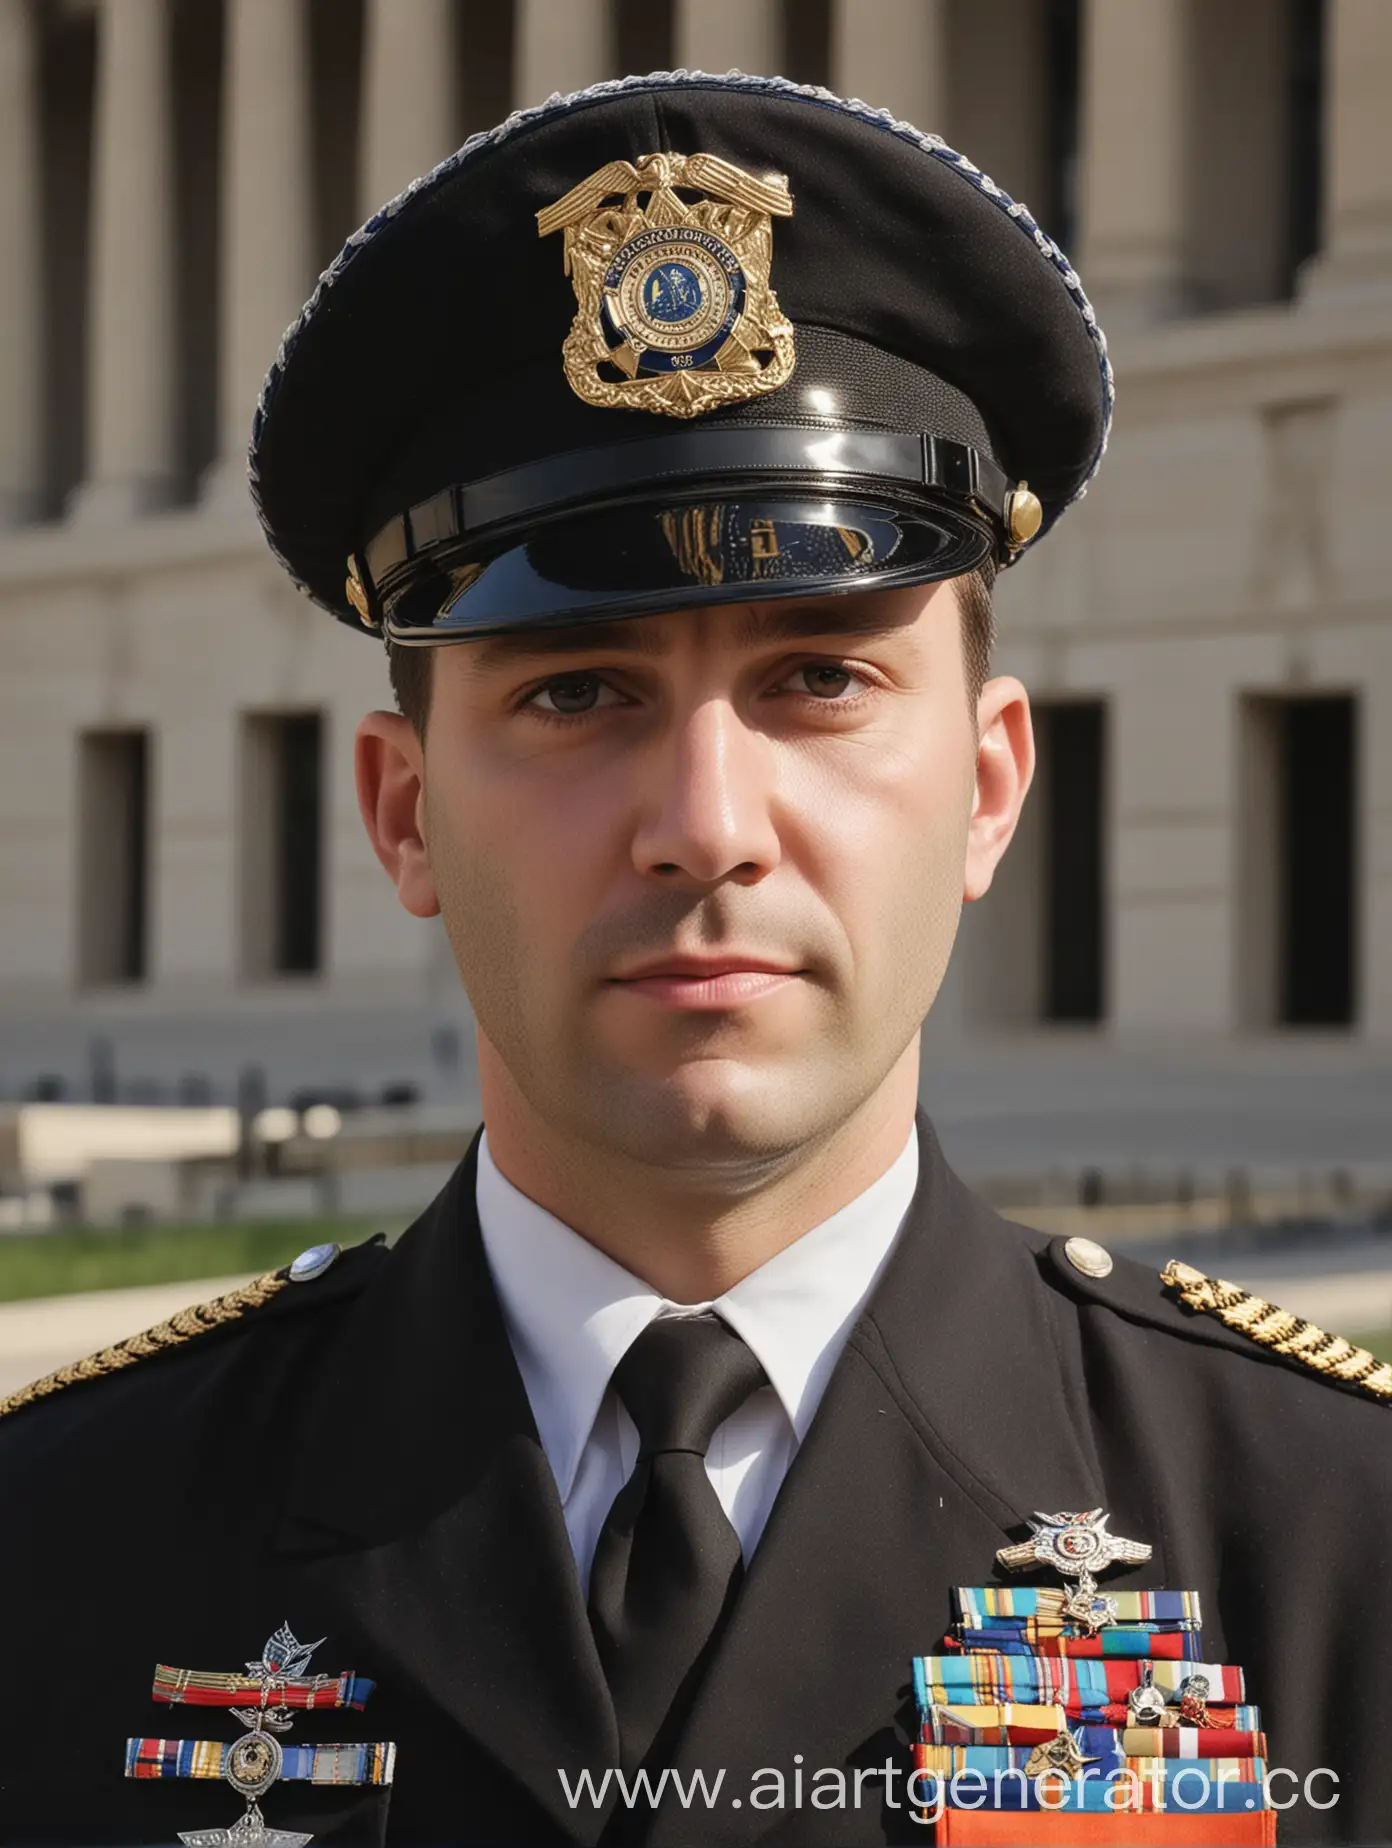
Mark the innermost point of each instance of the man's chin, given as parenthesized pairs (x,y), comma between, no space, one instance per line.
(715,1114)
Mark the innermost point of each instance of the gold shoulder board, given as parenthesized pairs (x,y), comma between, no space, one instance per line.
(188,1323)
(1280,1330)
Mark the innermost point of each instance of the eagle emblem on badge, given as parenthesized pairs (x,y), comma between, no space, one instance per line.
(674,309)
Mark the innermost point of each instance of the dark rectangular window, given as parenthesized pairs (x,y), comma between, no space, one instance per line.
(643,35)
(66,90)
(806,32)
(115,855)
(1305,138)
(299,823)
(282,844)
(1072,741)
(197,28)
(485,31)
(335,35)
(1317,811)
(1063,55)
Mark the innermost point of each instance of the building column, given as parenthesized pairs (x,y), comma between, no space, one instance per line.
(131,373)
(21,369)
(725,35)
(889,53)
(408,110)
(267,267)
(1357,239)
(1131,205)
(562,45)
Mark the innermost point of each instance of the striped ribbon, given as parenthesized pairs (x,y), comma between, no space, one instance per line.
(1007,1723)
(947,1760)
(302,1764)
(194,1688)
(1144,1645)
(1127,1797)
(1080,1687)
(1188,1741)
(1032,1725)
(1035,1612)
(1191,1788)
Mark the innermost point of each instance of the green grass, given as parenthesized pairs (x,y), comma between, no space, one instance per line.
(1377,1340)
(85,1258)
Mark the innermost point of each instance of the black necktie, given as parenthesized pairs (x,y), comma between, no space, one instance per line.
(668,1562)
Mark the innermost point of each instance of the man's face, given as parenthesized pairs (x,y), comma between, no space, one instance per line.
(795,782)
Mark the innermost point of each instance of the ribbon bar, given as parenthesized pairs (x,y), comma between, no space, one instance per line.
(981,1676)
(303,1764)
(193,1687)
(1035,1614)
(948,1761)
(1132,1791)
(1235,1732)
(1138,1645)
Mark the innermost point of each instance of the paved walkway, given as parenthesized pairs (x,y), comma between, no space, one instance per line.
(1352,1303)
(49,1331)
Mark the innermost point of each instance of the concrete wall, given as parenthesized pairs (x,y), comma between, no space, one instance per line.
(1232,547)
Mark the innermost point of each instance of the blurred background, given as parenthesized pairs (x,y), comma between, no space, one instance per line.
(1169,1024)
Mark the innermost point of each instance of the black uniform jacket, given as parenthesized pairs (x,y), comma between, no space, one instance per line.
(357,1458)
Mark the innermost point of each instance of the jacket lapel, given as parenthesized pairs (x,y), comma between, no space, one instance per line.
(950,1417)
(424,1522)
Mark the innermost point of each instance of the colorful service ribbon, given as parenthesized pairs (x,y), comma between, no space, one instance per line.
(193,1687)
(304,1764)
(1035,1725)
(1035,1612)
(1004,1723)
(1142,1645)
(1191,1741)
(1079,1686)
(1191,1788)
(947,1761)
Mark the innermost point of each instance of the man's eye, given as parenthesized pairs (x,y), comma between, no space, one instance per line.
(570,695)
(825,681)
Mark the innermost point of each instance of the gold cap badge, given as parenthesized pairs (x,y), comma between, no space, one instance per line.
(675,313)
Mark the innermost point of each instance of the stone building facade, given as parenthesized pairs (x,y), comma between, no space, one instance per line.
(1203,889)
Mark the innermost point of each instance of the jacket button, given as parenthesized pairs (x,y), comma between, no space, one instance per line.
(313,1263)
(1091,1259)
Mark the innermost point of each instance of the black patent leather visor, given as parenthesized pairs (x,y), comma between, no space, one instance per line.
(642,559)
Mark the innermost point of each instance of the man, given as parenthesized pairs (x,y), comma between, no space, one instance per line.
(670,436)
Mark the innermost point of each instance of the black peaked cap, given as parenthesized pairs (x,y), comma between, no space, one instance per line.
(430,354)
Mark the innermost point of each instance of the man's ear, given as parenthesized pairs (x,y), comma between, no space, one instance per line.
(1004,771)
(389,764)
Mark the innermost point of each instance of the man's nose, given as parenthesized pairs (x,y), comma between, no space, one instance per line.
(707,798)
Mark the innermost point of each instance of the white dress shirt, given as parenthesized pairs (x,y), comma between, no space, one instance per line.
(572,1313)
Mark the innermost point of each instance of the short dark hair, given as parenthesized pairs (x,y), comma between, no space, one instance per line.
(410,673)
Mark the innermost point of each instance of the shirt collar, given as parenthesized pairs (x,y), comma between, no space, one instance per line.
(572,1313)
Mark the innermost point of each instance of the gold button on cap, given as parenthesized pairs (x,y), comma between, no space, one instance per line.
(1025,514)
(1091,1259)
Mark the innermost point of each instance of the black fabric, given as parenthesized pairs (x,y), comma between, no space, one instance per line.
(869,388)
(667,1566)
(361,1462)
(435,357)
